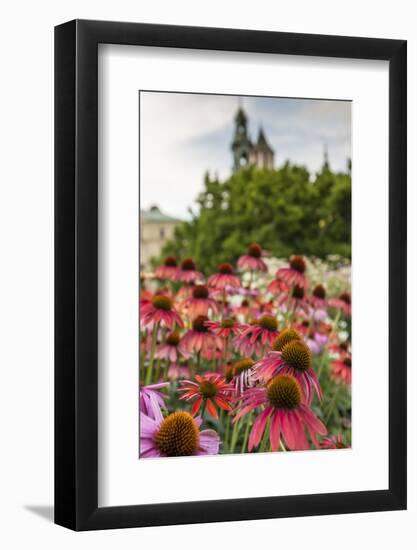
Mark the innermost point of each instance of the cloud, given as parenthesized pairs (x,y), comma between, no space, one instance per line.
(184,135)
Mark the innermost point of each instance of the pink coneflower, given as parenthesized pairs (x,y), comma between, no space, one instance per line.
(277,287)
(244,308)
(318,297)
(224,277)
(176,371)
(188,272)
(294,274)
(160,310)
(333,442)
(343,303)
(171,349)
(252,260)
(199,338)
(290,355)
(200,302)
(295,300)
(255,338)
(209,390)
(150,393)
(289,415)
(169,270)
(342,369)
(241,375)
(176,435)
(225,328)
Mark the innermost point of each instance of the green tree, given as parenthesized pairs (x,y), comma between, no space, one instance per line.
(284,210)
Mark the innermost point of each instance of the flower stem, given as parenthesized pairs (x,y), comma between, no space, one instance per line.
(152,354)
(246,436)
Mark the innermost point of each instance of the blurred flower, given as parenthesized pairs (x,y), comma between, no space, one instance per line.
(251,261)
(208,390)
(200,302)
(199,338)
(160,310)
(169,270)
(224,277)
(188,272)
(342,369)
(288,414)
(333,442)
(343,303)
(224,328)
(294,274)
(256,337)
(171,349)
(318,297)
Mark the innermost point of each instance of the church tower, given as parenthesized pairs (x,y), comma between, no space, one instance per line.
(246,153)
(241,145)
(261,154)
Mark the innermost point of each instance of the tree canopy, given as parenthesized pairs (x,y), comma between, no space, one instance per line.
(284,210)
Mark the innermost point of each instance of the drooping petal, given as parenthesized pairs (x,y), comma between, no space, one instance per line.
(258,428)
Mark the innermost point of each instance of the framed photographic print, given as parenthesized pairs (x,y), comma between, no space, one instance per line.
(230,275)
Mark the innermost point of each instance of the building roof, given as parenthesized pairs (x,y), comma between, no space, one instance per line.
(262,144)
(154,215)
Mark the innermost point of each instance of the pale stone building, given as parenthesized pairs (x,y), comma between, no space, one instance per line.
(156,229)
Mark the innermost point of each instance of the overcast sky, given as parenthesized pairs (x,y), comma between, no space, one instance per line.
(184,135)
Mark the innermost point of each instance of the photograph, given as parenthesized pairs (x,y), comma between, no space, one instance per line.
(245,274)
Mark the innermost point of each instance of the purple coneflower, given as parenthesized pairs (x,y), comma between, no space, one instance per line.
(290,355)
(169,270)
(160,310)
(255,338)
(188,272)
(252,260)
(282,402)
(294,274)
(224,277)
(176,435)
(200,302)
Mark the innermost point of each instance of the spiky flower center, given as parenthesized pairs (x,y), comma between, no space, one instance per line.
(245,303)
(199,323)
(242,365)
(283,392)
(162,302)
(188,265)
(319,292)
(178,435)
(225,269)
(298,264)
(298,292)
(170,261)
(345,297)
(347,361)
(297,355)
(200,291)
(287,335)
(268,322)
(173,339)
(255,250)
(228,323)
(208,389)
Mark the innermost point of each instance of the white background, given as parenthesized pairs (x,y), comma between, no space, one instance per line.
(26,301)
(123,479)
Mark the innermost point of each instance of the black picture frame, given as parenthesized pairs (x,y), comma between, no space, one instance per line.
(76,272)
